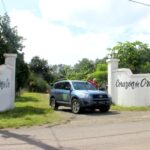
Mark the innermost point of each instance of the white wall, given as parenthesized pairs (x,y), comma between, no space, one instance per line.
(129,89)
(5,87)
(7,82)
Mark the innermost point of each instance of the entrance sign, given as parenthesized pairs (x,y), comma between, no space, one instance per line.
(7,82)
(126,88)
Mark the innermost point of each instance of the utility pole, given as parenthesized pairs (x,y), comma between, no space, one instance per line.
(140,3)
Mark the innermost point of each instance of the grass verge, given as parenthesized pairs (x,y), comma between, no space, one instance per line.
(33,109)
(30,109)
(133,108)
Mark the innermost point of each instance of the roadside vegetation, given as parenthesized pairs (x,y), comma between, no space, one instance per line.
(30,109)
(132,108)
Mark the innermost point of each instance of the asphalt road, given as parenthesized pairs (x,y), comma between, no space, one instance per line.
(87,131)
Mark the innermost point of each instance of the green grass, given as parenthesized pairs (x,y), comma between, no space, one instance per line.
(133,108)
(30,109)
(33,109)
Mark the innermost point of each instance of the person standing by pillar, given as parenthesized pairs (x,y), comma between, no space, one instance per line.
(94,83)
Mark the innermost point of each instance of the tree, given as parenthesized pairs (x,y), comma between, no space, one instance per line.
(41,68)
(11,42)
(37,84)
(100,61)
(40,75)
(100,73)
(133,55)
(83,68)
(62,71)
(145,67)
(101,67)
(22,73)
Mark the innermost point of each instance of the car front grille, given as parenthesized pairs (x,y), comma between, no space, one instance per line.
(100,96)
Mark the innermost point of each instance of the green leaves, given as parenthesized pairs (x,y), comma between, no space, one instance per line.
(84,67)
(133,55)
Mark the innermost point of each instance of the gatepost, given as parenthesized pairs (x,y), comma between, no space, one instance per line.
(7,82)
(10,60)
(112,65)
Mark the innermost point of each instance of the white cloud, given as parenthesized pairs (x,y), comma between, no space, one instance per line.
(63,10)
(104,23)
(75,12)
(94,15)
(141,30)
(56,43)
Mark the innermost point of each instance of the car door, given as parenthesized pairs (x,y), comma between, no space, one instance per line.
(58,91)
(66,95)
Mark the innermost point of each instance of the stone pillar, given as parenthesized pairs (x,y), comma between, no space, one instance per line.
(10,60)
(112,65)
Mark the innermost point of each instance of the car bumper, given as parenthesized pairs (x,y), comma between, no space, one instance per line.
(96,103)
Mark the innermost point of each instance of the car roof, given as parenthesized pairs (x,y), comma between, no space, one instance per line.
(71,81)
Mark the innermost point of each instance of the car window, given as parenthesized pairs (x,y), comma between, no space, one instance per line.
(62,85)
(66,86)
(58,85)
(83,86)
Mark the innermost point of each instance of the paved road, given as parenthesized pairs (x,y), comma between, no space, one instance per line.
(88,131)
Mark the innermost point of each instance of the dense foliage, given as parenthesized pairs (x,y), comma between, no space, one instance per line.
(40,75)
(133,55)
(37,84)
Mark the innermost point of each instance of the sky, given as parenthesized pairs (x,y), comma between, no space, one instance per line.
(66,31)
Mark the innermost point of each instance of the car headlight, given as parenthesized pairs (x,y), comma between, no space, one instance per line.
(84,95)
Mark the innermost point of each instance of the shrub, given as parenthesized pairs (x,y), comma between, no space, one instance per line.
(101,76)
(37,84)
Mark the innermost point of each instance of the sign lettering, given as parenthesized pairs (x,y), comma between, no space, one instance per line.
(133,84)
(4,84)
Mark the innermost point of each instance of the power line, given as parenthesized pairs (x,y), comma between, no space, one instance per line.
(140,3)
(4,6)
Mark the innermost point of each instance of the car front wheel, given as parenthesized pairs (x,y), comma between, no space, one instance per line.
(104,108)
(75,106)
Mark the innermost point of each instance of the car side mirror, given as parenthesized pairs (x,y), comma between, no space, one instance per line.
(102,89)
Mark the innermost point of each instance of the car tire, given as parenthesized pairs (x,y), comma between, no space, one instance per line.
(53,104)
(92,109)
(75,106)
(104,108)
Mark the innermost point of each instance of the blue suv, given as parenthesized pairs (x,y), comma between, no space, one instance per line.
(78,95)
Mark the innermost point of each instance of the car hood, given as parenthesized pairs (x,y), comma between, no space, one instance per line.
(91,92)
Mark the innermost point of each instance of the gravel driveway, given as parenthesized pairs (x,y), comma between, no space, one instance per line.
(89,118)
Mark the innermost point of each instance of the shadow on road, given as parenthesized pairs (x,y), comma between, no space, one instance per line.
(89,112)
(26,138)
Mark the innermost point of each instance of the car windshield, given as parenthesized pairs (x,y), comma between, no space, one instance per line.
(83,86)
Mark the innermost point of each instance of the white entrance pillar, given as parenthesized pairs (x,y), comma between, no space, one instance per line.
(112,65)
(10,60)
